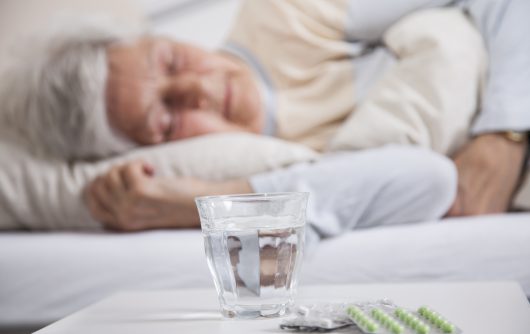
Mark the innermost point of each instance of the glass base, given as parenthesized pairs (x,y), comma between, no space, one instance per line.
(255,311)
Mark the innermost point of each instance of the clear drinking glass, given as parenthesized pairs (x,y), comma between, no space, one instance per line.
(254,245)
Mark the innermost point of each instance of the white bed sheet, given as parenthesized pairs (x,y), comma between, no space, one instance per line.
(45,276)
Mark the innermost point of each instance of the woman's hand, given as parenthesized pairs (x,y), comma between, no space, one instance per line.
(488,175)
(130,197)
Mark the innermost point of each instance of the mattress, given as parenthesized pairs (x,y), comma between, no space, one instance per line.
(46,276)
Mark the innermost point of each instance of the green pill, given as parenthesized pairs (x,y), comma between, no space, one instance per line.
(371,327)
(422,329)
(447,327)
(397,329)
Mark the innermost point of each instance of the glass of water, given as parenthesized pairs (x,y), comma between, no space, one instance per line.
(254,246)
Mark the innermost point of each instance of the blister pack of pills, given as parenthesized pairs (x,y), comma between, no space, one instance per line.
(317,318)
(379,317)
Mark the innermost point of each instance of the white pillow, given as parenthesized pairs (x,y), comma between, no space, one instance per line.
(36,193)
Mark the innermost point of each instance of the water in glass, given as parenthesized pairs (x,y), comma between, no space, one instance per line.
(254,262)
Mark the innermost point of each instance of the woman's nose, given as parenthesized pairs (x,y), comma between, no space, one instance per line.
(197,90)
(183,91)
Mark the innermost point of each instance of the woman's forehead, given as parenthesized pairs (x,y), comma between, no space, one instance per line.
(130,60)
(131,79)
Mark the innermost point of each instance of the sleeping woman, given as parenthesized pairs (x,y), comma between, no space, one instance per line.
(325,74)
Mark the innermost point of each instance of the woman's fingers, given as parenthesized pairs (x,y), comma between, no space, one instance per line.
(122,198)
(97,205)
(149,169)
(115,185)
(133,174)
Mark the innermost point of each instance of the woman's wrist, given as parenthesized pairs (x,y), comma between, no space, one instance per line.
(239,186)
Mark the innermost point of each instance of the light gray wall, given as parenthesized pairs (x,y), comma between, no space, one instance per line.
(22,18)
(203,22)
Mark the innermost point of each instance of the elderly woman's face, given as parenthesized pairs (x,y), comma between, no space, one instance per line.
(158,90)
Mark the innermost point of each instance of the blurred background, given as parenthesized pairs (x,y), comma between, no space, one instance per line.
(204,22)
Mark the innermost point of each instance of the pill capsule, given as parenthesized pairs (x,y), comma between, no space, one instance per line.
(439,322)
(422,330)
(395,330)
(371,327)
(448,327)
(414,324)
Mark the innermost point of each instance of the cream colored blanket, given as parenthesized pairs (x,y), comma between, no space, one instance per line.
(426,94)
(430,95)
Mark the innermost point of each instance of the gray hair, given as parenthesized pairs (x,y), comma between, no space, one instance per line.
(55,93)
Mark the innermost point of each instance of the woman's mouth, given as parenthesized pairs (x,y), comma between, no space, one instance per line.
(227,98)
(169,129)
(174,128)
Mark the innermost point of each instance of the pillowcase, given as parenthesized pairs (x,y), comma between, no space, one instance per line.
(39,193)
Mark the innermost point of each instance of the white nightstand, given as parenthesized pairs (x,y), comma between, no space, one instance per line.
(477,308)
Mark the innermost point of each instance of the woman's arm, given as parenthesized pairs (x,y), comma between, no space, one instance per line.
(489,167)
(389,185)
(382,186)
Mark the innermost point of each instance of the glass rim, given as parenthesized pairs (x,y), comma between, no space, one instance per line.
(250,197)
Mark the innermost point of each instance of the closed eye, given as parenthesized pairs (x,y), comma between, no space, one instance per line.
(169,102)
(172,67)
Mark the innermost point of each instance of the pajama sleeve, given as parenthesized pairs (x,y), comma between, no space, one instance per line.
(505,27)
(382,186)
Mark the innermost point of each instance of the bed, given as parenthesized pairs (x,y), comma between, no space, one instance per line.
(46,276)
